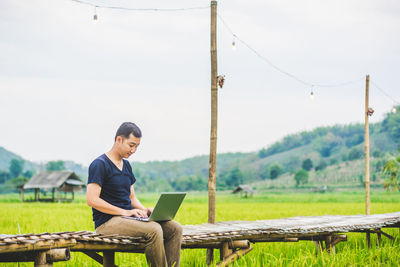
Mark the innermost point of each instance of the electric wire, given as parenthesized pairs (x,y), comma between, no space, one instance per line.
(269,62)
(259,55)
(139,9)
(386,94)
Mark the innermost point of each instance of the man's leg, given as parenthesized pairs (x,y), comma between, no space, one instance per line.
(152,231)
(172,232)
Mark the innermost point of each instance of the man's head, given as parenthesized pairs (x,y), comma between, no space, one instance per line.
(127,139)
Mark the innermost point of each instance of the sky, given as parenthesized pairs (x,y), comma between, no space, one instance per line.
(66,84)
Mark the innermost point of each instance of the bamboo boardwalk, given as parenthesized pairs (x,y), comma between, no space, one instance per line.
(232,238)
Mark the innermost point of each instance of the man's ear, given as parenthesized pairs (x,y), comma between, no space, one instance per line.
(119,139)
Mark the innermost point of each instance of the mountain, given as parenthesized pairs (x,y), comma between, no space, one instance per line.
(327,148)
(6,156)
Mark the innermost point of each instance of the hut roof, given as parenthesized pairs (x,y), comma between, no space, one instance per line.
(243,187)
(53,179)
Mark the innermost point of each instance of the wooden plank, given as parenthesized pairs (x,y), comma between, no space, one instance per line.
(52,255)
(40,245)
(134,248)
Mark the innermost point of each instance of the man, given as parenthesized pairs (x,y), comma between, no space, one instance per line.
(111,194)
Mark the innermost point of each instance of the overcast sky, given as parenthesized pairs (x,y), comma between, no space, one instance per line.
(67,84)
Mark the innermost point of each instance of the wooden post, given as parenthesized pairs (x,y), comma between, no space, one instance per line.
(108,258)
(214,113)
(58,195)
(234,256)
(225,251)
(37,194)
(41,260)
(379,237)
(367,198)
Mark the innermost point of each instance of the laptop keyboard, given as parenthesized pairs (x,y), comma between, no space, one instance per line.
(136,218)
(141,219)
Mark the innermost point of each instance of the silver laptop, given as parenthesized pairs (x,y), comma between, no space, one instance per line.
(165,209)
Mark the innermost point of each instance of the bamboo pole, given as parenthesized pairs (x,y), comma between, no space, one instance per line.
(367,198)
(234,256)
(214,113)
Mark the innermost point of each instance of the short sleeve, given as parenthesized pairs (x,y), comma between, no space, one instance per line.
(96,172)
(131,175)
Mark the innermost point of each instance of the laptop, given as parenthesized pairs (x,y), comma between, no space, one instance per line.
(165,209)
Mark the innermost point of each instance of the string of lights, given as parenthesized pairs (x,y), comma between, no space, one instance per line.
(312,85)
(138,9)
(395,102)
(236,37)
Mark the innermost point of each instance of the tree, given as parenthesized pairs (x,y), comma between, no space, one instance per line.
(307,164)
(275,169)
(321,165)
(57,165)
(392,171)
(264,171)
(4,177)
(301,177)
(333,161)
(326,144)
(16,167)
(17,181)
(187,183)
(355,153)
(391,124)
(354,140)
(28,174)
(235,177)
(262,153)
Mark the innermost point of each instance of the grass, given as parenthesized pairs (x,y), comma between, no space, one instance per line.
(52,217)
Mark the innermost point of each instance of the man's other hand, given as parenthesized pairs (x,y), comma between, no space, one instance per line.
(148,211)
(135,213)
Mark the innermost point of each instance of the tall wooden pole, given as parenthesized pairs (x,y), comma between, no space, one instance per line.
(367,198)
(214,113)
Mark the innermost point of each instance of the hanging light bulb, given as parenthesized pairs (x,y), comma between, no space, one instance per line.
(95,18)
(234,43)
(312,93)
(394,110)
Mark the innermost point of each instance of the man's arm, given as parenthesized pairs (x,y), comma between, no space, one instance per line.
(93,200)
(136,203)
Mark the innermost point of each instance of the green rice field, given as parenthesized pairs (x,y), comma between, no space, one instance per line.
(17,217)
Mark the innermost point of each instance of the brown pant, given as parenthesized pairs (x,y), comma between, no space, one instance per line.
(164,238)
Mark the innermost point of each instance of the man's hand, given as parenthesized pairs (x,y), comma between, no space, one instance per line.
(135,213)
(148,211)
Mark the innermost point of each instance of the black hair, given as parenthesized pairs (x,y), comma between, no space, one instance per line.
(128,128)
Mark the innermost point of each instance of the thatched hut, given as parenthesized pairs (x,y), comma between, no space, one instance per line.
(243,190)
(56,182)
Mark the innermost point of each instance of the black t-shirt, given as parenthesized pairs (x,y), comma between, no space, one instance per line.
(115,185)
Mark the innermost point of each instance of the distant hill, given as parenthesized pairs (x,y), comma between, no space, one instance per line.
(326,147)
(332,150)
(6,156)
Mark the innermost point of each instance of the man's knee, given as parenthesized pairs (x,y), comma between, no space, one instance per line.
(178,228)
(172,228)
(154,231)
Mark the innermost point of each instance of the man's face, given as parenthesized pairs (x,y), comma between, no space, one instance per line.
(127,146)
